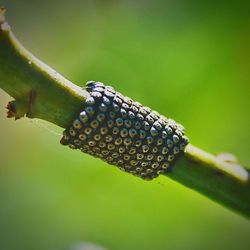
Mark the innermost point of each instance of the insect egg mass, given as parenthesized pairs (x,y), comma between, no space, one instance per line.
(124,133)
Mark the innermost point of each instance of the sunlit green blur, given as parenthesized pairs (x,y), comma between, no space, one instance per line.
(189,60)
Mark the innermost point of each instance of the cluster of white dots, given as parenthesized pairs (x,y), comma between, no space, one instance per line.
(125,133)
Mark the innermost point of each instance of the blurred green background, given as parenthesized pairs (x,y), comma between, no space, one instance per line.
(188,60)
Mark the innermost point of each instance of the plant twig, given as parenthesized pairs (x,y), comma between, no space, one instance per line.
(40,92)
(217,177)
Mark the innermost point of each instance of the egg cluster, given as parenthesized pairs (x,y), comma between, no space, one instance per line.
(125,133)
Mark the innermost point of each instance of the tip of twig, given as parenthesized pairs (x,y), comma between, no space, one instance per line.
(2,15)
(3,24)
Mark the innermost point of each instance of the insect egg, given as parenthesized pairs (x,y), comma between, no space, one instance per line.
(175,139)
(94,124)
(133,162)
(100,117)
(106,100)
(77,142)
(169,130)
(112,114)
(149,171)
(82,137)
(90,110)
(170,143)
(137,125)
(164,150)
(153,131)
(155,165)
(150,119)
(125,106)
(150,157)
(121,150)
(85,147)
(155,150)
(170,157)
(97,137)
(165,165)
(132,150)
(145,148)
(90,101)
(103,107)
(123,113)
(176,150)
(131,115)
(72,132)
(87,131)
(132,132)
(77,124)
(146,125)
(139,156)
(142,134)
(144,164)
(124,132)
(182,146)
(91,143)
(111,146)
(115,131)
(96,94)
(164,134)
(104,130)
(127,123)
(150,139)
(160,158)
(134,108)
(160,172)
(127,141)
(143,111)
(115,107)
(115,155)
(159,142)
(108,138)
(83,117)
(179,133)
(119,121)
(110,123)
(118,141)
(102,144)
(140,117)
(72,146)
(105,152)
(126,157)
(97,84)
(138,143)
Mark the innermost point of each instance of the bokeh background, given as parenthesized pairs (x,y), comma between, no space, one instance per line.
(187,59)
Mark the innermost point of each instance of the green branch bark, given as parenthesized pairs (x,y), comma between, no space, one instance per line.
(40,92)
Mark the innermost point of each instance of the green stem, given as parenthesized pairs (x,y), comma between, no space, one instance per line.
(40,92)
(224,182)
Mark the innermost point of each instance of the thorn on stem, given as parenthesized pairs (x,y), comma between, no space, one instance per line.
(17,109)
(11,110)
